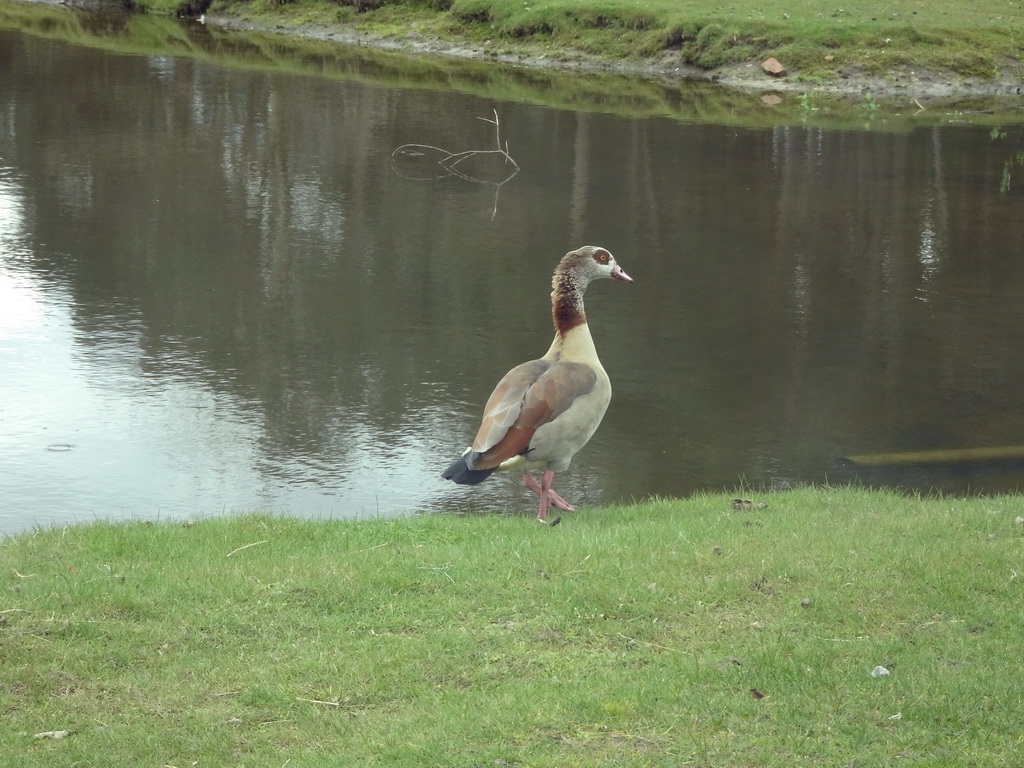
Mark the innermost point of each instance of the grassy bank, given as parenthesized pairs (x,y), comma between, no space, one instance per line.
(909,40)
(667,633)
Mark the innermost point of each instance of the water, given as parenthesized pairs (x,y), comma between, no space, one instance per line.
(219,292)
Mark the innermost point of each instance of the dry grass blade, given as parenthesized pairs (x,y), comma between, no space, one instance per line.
(254,544)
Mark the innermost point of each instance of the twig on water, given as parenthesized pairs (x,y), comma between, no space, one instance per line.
(254,544)
(449,160)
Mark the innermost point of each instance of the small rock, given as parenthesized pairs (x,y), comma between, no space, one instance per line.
(741,505)
(1019,520)
(771,99)
(879,671)
(806,602)
(718,550)
(773,67)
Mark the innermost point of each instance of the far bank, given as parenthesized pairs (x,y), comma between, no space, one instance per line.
(907,53)
(907,48)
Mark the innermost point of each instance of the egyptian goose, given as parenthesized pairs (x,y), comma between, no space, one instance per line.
(542,412)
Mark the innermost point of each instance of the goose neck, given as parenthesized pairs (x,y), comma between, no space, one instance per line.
(567,303)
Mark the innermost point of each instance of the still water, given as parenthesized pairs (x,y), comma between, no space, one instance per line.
(219,292)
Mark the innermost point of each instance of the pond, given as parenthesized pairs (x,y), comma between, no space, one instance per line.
(220,291)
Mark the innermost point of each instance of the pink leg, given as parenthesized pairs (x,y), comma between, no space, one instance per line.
(542,513)
(547,496)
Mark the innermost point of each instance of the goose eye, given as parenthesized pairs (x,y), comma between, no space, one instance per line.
(602,257)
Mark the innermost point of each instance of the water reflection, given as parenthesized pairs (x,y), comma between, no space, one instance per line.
(219,292)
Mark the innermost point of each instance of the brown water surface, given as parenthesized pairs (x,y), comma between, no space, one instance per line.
(220,292)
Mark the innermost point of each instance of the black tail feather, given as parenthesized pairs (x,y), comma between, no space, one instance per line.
(460,472)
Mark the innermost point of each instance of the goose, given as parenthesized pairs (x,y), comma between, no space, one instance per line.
(543,411)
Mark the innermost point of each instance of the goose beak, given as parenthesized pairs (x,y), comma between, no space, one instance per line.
(618,274)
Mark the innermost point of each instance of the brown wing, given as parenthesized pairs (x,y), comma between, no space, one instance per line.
(506,403)
(529,396)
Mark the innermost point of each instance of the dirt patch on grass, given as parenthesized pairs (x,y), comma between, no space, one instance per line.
(1008,85)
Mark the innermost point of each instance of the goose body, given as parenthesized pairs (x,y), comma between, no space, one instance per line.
(544,411)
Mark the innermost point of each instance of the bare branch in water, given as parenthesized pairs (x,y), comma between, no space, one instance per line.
(448,160)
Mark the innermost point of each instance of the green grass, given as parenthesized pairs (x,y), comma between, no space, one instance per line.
(662,634)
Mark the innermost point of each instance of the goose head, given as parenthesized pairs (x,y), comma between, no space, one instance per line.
(579,268)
